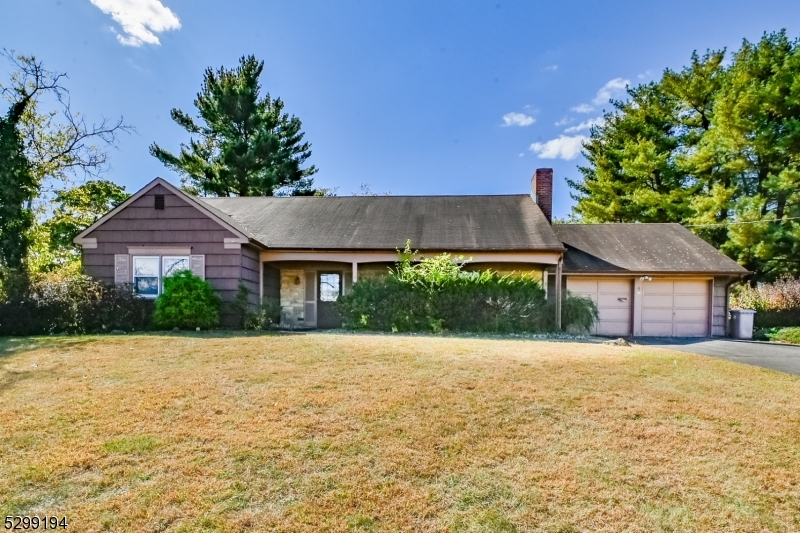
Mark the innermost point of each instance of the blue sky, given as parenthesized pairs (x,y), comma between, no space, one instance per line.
(411,97)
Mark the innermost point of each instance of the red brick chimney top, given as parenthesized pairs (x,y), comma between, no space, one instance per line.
(542,191)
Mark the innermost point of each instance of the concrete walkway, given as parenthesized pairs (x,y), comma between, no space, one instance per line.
(780,357)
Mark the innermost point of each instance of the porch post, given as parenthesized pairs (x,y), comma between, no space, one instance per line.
(355,271)
(261,282)
(558,293)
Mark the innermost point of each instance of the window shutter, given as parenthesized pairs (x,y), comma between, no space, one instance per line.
(348,282)
(122,268)
(198,265)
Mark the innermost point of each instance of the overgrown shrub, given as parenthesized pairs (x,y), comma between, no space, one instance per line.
(265,315)
(777,304)
(68,303)
(436,294)
(188,302)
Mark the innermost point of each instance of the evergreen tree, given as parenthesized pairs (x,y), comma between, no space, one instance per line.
(716,148)
(245,144)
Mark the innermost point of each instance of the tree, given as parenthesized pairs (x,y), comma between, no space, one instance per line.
(246,145)
(75,210)
(714,147)
(16,186)
(43,151)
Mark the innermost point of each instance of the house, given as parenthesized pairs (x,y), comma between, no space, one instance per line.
(647,279)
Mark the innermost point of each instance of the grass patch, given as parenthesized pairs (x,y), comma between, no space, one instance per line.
(789,335)
(305,433)
(129,445)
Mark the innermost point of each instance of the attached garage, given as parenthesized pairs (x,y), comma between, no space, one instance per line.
(674,308)
(678,283)
(613,297)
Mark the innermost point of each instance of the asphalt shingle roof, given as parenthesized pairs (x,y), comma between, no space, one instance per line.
(641,248)
(487,223)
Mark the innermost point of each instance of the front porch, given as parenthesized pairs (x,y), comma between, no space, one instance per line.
(307,284)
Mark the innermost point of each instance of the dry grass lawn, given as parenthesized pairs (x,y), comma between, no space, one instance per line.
(321,432)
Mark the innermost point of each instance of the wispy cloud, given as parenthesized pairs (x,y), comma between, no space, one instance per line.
(613,88)
(646,74)
(564,147)
(599,121)
(140,20)
(564,121)
(551,68)
(583,108)
(517,119)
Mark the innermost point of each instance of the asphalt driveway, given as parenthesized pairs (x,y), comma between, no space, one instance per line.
(780,357)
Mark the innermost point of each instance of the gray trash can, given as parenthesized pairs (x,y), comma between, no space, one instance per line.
(742,323)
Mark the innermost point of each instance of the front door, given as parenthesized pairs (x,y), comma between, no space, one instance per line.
(330,288)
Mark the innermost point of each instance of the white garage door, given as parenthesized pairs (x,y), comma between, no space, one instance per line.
(613,299)
(675,308)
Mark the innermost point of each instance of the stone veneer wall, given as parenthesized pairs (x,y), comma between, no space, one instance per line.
(292,297)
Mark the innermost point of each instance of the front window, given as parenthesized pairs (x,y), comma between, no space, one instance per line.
(329,287)
(149,273)
(146,276)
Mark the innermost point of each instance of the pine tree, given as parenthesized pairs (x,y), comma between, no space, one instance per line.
(245,144)
(714,147)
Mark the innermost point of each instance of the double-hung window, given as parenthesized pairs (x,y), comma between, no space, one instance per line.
(149,273)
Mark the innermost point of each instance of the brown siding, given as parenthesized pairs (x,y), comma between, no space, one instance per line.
(250,273)
(178,224)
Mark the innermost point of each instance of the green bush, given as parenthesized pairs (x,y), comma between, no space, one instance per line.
(790,335)
(188,302)
(436,294)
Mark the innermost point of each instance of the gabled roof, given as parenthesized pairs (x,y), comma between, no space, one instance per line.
(509,223)
(224,220)
(640,248)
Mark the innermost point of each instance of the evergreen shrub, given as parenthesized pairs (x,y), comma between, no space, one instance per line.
(187,302)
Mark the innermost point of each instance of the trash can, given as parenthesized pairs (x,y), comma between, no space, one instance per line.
(742,323)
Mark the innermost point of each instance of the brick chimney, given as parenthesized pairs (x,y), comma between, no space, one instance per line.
(542,191)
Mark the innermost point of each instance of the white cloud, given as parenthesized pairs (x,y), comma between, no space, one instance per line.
(599,121)
(583,108)
(140,20)
(562,148)
(564,121)
(613,88)
(517,119)
(551,68)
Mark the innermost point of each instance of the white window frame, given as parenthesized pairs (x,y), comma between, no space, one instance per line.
(160,274)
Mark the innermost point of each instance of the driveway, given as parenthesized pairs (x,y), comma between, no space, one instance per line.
(780,357)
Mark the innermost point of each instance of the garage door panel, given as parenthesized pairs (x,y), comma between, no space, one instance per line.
(621,328)
(690,329)
(691,315)
(657,301)
(674,308)
(658,287)
(622,315)
(691,287)
(614,286)
(582,286)
(694,301)
(657,315)
(657,329)
(614,300)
